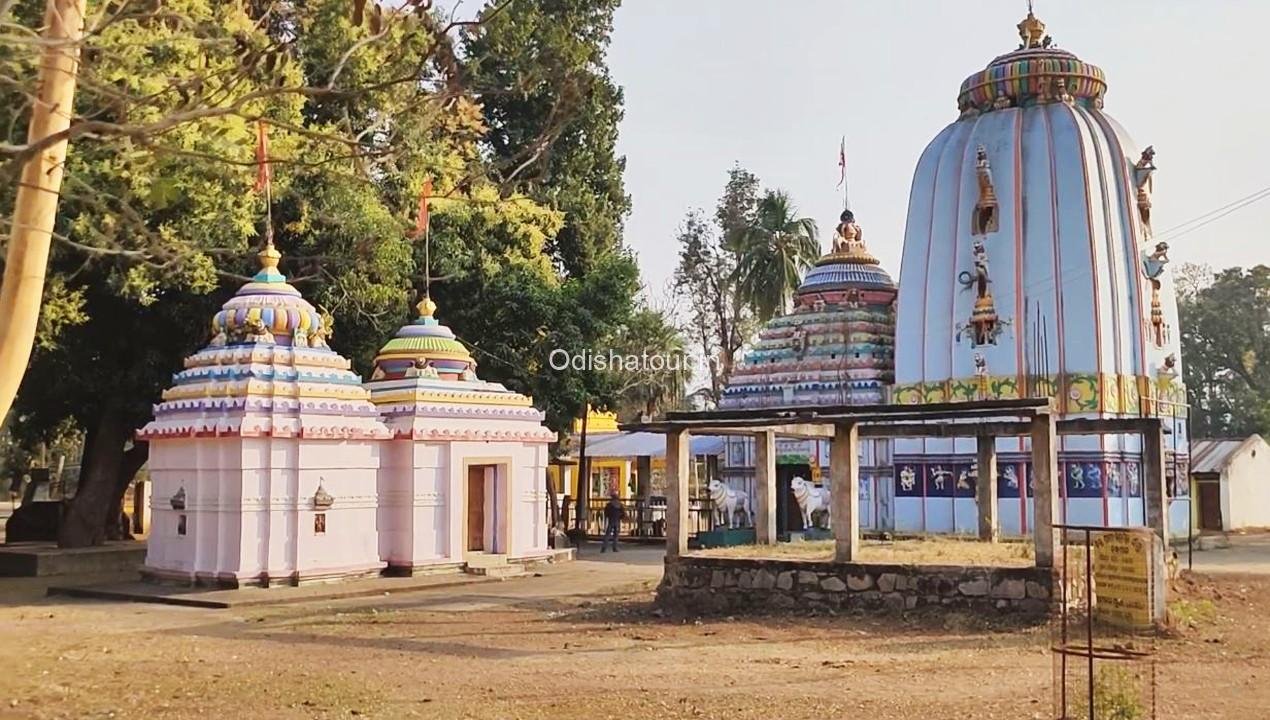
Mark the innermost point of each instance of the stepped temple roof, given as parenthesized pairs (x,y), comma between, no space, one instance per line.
(267,372)
(837,346)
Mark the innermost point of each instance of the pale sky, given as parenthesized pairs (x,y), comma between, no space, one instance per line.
(775,85)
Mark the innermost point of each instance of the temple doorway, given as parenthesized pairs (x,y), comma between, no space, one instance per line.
(476,475)
(789,517)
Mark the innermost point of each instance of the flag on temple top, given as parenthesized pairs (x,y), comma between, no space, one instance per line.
(263,172)
(421,220)
(842,162)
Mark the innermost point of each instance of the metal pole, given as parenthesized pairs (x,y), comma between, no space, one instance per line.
(1089,618)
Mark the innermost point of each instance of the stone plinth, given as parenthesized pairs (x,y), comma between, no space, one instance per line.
(709,585)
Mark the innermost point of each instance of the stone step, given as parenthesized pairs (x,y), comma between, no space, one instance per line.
(496,571)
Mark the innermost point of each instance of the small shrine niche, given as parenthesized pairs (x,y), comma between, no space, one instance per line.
(180,524)
(984,219)
(319,523)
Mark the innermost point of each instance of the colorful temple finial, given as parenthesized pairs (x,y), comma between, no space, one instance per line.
(427,308)
(1031,30)
(269,258)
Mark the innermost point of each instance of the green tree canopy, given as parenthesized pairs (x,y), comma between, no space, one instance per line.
(1225,319)
(158,221)
(773,251)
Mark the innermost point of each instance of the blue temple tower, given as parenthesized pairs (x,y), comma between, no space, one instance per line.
(1029,270)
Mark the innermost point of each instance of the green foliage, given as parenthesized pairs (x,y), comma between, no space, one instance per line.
(1225,322)
(552,110)
(1190,614)
(773,250)
(539,71)
(663,371)
(741,269)
(1117,695)
(158,220)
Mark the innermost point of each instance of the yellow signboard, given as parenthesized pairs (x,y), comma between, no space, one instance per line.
(1124,578)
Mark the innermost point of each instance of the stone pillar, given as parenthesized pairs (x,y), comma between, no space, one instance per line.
(844,471)
(1154,482)
(986,489)
(678,465)
(765,487)
(1045,493)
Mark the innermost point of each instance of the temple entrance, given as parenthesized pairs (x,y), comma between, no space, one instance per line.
(789,517)
(476,507)
(1209,505)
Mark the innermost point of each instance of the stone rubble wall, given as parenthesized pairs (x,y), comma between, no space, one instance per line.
(713,585)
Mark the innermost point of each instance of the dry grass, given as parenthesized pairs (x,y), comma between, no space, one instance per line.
(922,551)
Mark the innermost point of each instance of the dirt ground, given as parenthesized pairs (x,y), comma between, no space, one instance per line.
(582,642)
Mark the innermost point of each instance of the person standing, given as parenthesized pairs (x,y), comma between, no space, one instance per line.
(613,514)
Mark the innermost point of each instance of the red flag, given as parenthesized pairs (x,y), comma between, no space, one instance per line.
(421,220)
(264,174)
(842,162)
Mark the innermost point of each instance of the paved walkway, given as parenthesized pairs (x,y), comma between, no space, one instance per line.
(1246,554)
(592,573)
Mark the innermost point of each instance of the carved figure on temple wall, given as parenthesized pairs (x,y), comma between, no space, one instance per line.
(984,219)
(908,478)
(299,339)
(1153,264)
(220,339)
(1143,170)
(849,237)
(255,332)
(1063,95)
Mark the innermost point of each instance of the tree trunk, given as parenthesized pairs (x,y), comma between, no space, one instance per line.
(551,501)
(99,490)
(134,458)
(35,207)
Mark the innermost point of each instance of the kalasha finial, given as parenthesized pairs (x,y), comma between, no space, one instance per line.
(427,308)
(1031,30)
(269,258)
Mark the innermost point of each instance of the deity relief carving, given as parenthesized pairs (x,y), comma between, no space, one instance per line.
(849,238)
(984,325)
(1142,172)
(1153,264)
(984,218)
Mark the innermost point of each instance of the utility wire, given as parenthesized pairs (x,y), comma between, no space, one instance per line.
(1200,221)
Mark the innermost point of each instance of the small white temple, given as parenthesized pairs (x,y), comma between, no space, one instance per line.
(272,463)
(465,471)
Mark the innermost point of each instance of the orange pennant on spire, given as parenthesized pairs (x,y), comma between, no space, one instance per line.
(422,219)
(264,174)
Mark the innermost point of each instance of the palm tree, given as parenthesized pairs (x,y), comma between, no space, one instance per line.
(773,251)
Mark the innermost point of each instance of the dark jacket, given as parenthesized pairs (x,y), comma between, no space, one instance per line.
(613,511)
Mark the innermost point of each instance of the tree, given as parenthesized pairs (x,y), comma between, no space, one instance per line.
(706,278)
(156,225)
(540,74)
(773,251)
(658,379)
(1225,323)
(539,71)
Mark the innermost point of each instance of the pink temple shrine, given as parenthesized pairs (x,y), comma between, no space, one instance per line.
(272,462)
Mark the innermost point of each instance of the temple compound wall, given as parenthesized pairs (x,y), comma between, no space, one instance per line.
(706,585)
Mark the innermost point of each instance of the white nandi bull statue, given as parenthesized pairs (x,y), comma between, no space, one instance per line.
(728,503)
(811,500)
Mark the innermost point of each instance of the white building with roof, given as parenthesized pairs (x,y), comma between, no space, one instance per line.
(1230,482)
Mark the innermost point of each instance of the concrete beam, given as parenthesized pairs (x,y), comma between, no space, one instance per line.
(1154,482)
(844,470)
(1045,493)
(678,466)
(986,488)
(765,487)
